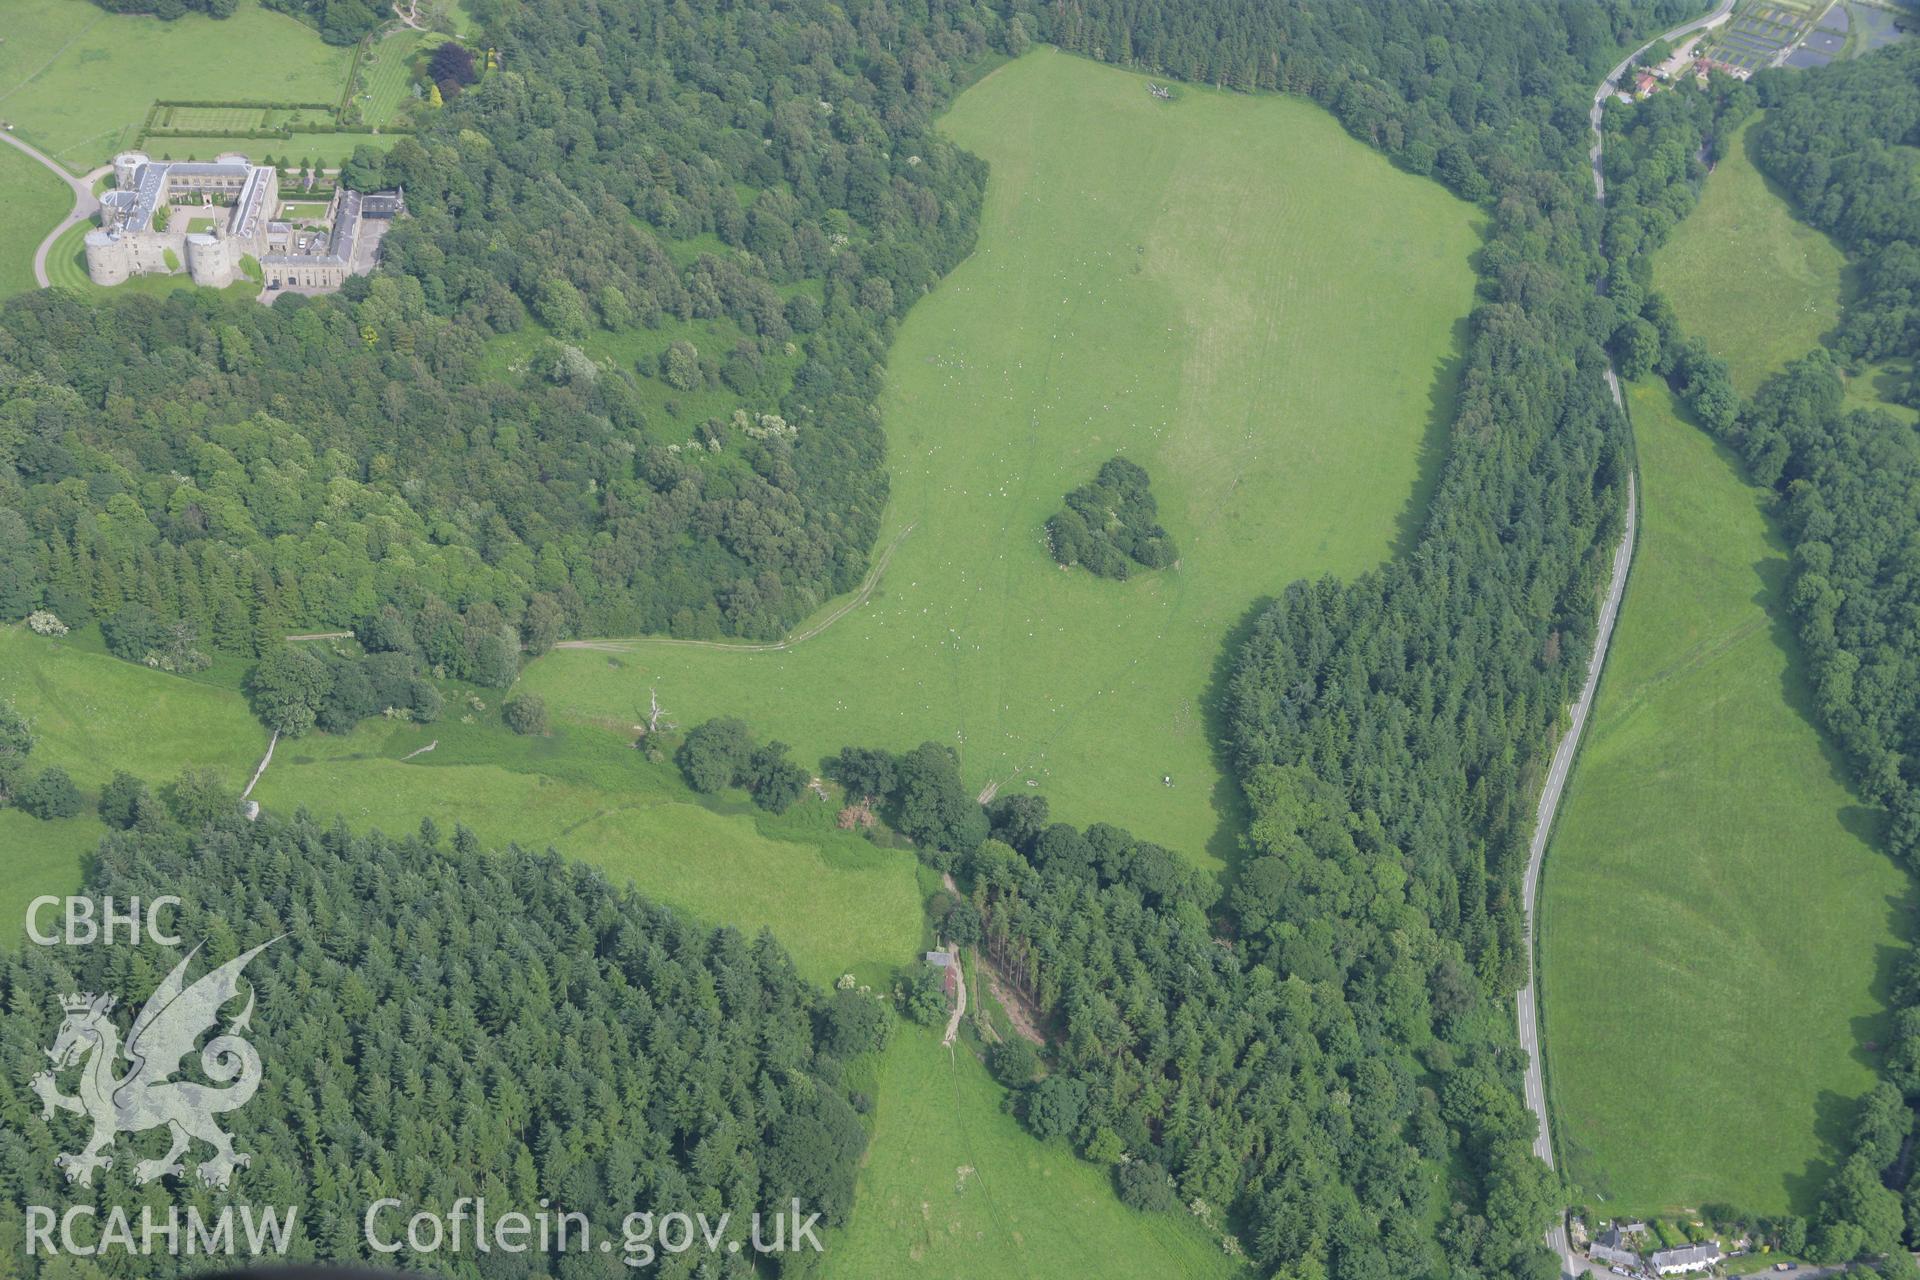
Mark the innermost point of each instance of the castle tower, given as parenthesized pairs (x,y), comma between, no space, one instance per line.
(107,258)
(125,166)
(209,261)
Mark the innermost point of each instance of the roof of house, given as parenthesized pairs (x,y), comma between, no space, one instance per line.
(340,239)
(940,959)
(383,204)
(135,204)
(1708,1252)
(247,210)
(1609,1253)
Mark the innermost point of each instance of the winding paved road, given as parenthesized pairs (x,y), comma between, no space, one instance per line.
(1612,83)
(84,203)
(1526,1000)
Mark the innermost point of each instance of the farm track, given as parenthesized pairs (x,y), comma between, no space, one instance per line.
(1020,1012)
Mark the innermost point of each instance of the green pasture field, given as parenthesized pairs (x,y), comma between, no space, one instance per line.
(77,81)
(954,1187)
(41,858)
(1761,286)
(1718,922)
(1228,290)
(94,714)
(36,201)
(838,902)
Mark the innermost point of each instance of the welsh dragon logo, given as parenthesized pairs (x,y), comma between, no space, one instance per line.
(165,1032)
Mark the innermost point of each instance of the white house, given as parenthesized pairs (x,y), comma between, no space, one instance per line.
(1687,1258)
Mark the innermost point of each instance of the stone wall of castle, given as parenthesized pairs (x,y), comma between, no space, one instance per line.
(116,252)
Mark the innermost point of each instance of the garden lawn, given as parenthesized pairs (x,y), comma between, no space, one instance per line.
(1718,923)
(954,1187)
(327,150)
(77,81)
(386,75)
(36,201)
(1228,290)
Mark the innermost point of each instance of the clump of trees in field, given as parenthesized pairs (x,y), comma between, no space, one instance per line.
(920,792)
(296,689)
(722,753)
(46,793)
(525,713)
(139,634)
(1111,523)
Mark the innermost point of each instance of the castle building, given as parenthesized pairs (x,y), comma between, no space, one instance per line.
(238,198)
(234,202)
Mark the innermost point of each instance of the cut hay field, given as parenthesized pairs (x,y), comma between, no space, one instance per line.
(77,81)
(835,900)
(1228,290)
(36,201)
(954,1188)
(1717,922)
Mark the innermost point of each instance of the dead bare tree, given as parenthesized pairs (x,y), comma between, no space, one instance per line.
(656,714)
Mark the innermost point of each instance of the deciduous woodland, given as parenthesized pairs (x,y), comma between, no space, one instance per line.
(755,194)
